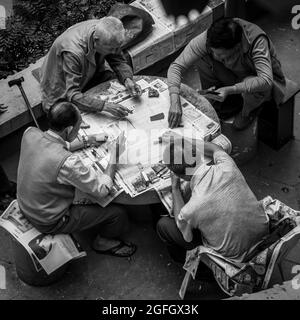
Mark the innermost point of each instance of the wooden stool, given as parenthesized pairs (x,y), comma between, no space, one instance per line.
(276,122)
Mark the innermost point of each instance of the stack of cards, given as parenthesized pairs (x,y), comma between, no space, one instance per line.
(130,109)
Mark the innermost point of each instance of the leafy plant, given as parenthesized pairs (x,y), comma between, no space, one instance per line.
(35,24)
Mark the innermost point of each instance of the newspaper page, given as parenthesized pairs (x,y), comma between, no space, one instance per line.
(139,178)
(159,43)
(47,251)
(136,175)
(166,37)
(192,117)
(143,127)
(164,189)
(151,113)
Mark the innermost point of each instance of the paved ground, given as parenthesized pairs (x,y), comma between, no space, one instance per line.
(151,274)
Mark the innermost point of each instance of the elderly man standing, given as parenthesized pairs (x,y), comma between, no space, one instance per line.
(222,212)
(48,174)
(238,59)
(76,61)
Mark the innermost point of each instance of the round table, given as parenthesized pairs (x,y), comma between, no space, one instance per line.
(151,197)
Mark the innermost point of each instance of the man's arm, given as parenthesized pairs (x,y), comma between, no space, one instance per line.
(124,73)
(73,75)
(91,140)
(178,201)
(263,81)
(195,49)
(114,158)
(210,149)
(178,204)
(86,179)
(116,148)
(120,66)
(72,69)
(219,155)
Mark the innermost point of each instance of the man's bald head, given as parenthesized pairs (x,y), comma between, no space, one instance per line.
(109,31)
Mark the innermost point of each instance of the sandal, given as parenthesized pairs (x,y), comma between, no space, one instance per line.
(114,250)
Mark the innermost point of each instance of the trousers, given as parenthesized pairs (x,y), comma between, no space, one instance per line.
(215,74)
(169,233)
(108,222)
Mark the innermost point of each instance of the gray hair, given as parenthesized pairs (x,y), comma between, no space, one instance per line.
(110,30)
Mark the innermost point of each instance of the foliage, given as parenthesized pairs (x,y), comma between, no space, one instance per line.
(35,25)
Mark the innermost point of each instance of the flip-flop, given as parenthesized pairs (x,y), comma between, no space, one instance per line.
(114,250)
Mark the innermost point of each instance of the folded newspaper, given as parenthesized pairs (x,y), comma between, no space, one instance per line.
(46,251)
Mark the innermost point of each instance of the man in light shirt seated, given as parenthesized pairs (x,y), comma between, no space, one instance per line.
(49,172)
(222,212)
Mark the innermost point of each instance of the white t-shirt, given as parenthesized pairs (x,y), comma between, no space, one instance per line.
(224,209)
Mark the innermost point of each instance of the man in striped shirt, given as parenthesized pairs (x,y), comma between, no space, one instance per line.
(238,61)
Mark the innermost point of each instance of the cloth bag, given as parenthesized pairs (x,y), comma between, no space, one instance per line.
(272,261)
(137,23)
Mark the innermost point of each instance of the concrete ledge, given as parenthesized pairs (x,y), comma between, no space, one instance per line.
(289,290)
(17,114)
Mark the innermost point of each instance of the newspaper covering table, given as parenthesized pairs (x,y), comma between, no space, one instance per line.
(46,251)
(141,168)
